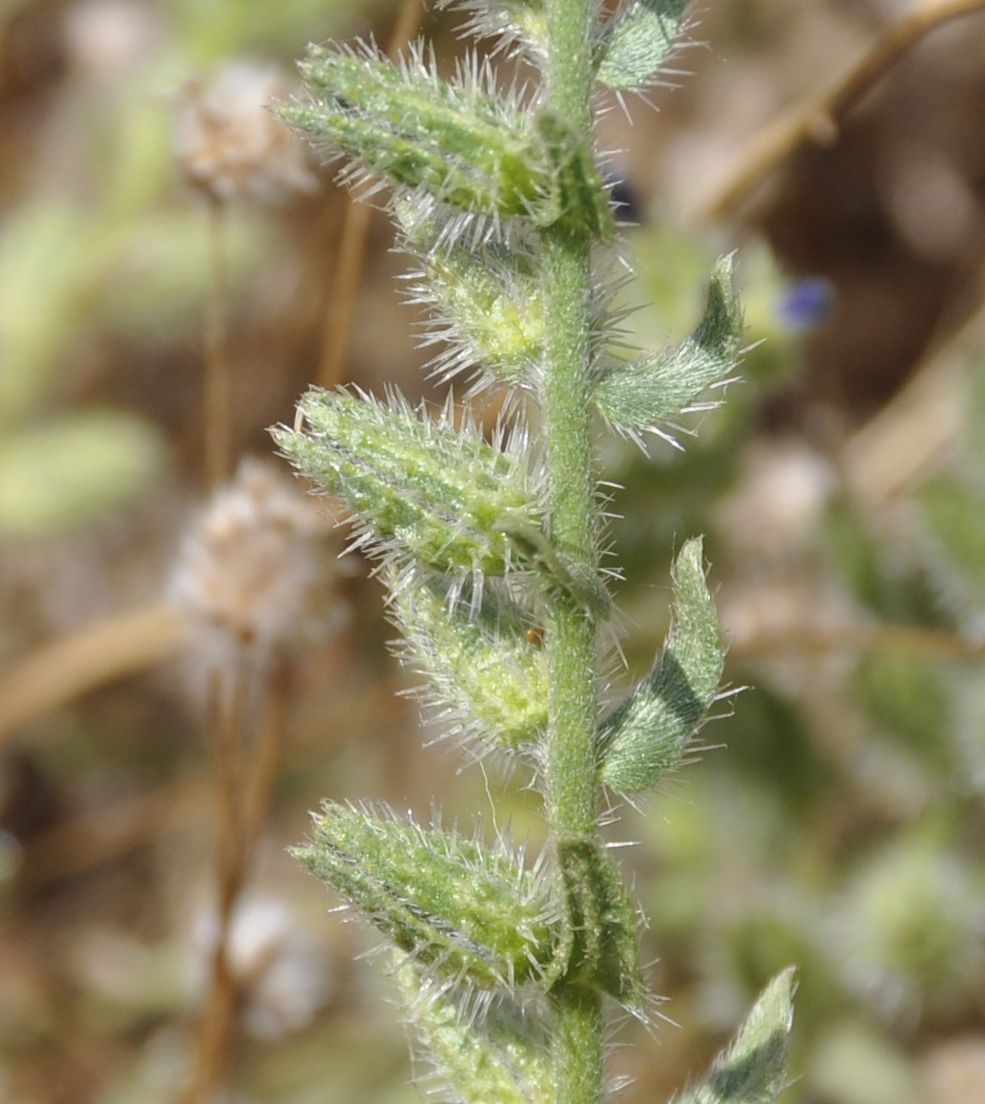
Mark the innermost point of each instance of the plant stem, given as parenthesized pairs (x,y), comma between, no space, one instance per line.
(218,382)
(570,768)
(341,305)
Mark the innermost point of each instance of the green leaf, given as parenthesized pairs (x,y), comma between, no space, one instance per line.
(419,487)
(601,944)
(636,397)
(500,1057)
(635,44)
(485,666)
(469,913)
(649,733)
(463,143)
(754,1068)
(67,472)
(577,198)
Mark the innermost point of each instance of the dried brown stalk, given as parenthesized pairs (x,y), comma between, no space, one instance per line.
(87,659)
(246,770)
(352,244)
(907,639)
(217,383)
(821,118)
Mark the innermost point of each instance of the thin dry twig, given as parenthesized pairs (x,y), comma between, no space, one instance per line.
(907,639)
(822,117)
(344,290)
(87,659)
(246,770)
(217,383)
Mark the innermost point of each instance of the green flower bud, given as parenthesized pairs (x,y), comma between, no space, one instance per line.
(500,1057)
(520,24)
(446,498)
(469,913)
(636,397)
(486,300)
(648,734)
(754,1068)
(635,44)
(485,667)
(463,143)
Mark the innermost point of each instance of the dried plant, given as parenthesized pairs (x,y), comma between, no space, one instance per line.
(491,547)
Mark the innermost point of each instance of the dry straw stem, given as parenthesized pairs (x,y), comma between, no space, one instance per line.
(352,243)
(246,770)
(217,395)
(820,119)
(905,639)
(86,660)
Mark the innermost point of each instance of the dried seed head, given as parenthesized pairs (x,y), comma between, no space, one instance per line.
(230,144)
(255,572)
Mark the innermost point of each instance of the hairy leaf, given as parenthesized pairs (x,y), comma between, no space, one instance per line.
(754,1068)
(647,735)
(637,397)
(635,44)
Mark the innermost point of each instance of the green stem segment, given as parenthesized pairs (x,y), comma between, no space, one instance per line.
(571,633)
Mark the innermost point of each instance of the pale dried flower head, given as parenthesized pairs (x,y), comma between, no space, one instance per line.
(107,38)
(230,143)
(256,571)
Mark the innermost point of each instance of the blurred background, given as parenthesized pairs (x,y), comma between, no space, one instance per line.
(158,228)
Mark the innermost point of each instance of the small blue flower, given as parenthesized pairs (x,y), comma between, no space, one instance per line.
(806,303)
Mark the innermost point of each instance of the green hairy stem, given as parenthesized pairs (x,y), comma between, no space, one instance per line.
(489,547)
(571,787)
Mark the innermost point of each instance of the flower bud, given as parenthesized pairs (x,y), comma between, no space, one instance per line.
(470,913)
(446,498)
(482,666)
(497,1057)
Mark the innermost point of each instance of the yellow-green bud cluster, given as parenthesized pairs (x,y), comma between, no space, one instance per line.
(486,299)
(498,1058)
(486,667)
